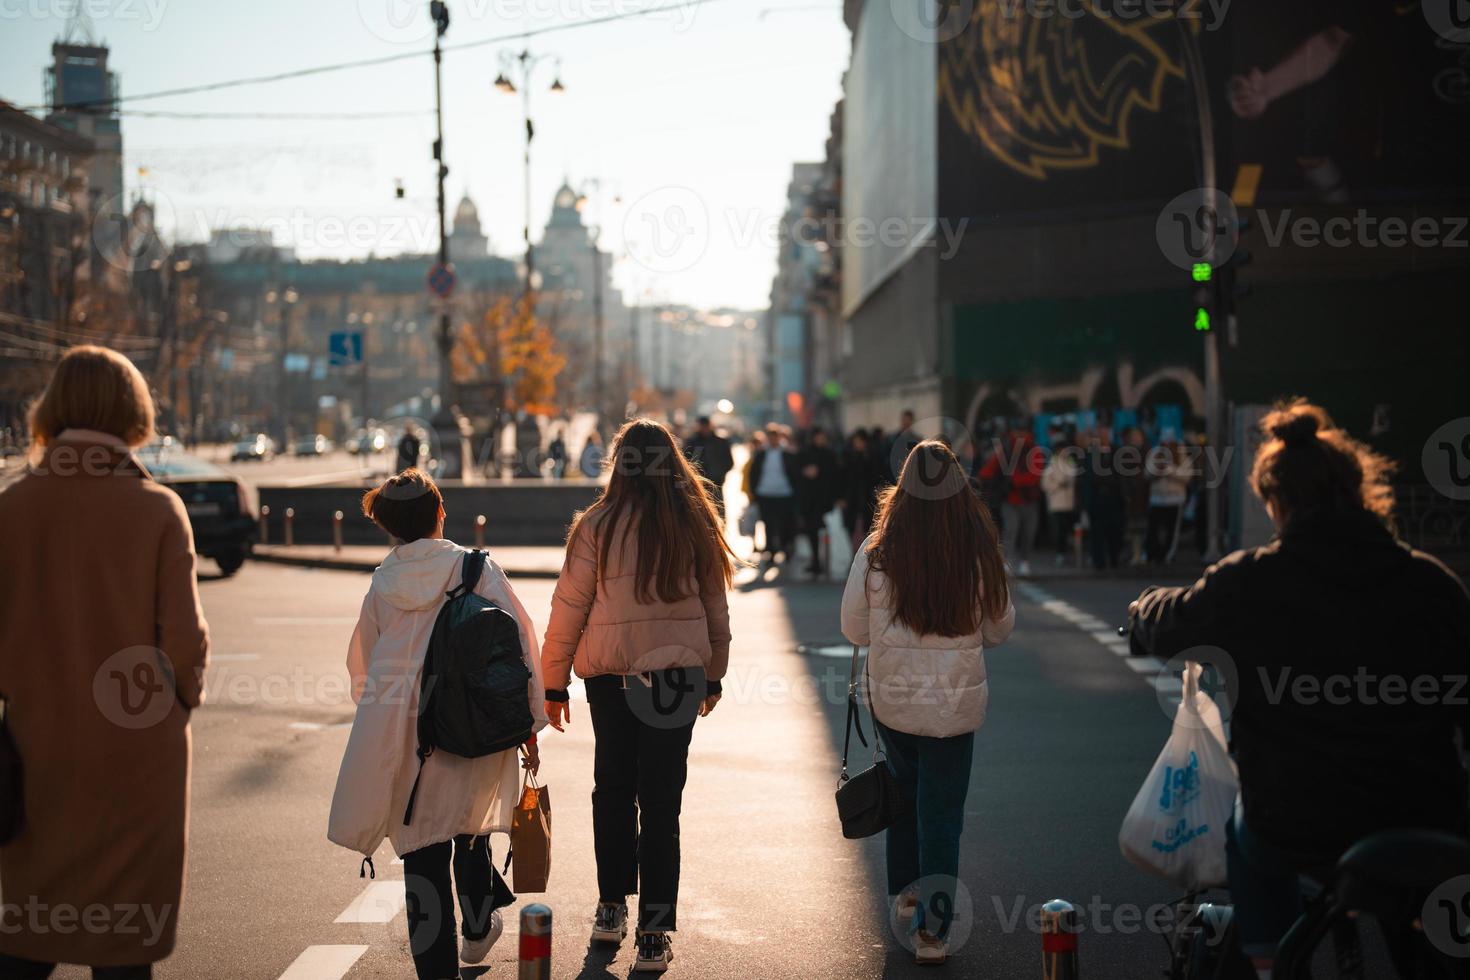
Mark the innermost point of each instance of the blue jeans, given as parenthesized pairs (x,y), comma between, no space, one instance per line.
(933,775)
(1265,885)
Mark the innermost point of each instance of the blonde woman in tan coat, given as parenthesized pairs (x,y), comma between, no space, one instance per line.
(102,652)
(640,613)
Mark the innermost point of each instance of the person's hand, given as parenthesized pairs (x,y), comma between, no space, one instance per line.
(560,713)
(708,705)
(531,758)
(1249,94)
(1133,610)
(810,471)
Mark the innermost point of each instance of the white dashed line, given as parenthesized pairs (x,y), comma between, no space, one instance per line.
(380,901)
(1108,638)
(323,963)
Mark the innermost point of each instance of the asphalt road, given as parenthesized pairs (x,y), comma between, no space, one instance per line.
(769,887)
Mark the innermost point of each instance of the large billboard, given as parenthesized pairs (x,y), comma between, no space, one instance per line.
(1086,106)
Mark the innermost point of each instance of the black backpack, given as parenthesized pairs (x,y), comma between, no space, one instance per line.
(473,699)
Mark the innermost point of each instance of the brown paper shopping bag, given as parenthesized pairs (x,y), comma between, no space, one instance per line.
(530,838)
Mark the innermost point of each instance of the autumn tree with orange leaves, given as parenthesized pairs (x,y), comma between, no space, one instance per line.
(529,360)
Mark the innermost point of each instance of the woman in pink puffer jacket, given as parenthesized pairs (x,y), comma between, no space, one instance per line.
(640,614)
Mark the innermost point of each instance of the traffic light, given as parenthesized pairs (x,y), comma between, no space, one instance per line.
(1228,288)
(1204,296)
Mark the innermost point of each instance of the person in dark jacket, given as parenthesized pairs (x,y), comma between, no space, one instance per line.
(862,477)
(818,492)
(710,453)
(409,447)
(1104,499)
(1349,653)
(774,478)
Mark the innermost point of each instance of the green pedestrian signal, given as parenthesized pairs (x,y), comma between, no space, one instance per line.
(1202,320)
(1202,272)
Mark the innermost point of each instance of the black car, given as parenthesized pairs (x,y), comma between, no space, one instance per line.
(221,507)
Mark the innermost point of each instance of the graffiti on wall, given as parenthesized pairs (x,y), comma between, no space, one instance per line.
(1033,397)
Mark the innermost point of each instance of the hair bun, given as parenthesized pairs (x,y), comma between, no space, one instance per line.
(1295,426)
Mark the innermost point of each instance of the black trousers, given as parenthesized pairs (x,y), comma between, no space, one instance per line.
(641,762)
(1162,522)
(779,516)
(15,968)
(480,888)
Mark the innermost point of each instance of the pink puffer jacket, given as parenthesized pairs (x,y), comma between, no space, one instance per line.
(600,627)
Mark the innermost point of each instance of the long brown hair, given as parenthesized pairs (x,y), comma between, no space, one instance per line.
(936,543)
(654,492)
(1309,466)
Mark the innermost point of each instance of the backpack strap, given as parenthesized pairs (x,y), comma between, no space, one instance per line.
(413,794)
(474,566)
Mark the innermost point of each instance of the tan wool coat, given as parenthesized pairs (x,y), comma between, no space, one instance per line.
(102,652)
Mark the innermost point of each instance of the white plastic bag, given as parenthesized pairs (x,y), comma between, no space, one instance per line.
(1176,826)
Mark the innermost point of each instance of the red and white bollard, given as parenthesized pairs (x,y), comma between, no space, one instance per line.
(290,536)
(337,531)
(480,531)
(1058,941)
(265,524)
(535,943)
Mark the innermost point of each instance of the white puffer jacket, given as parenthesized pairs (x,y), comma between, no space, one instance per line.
(923,685)
(385,659)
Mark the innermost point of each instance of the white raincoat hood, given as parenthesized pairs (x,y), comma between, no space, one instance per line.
(416,576)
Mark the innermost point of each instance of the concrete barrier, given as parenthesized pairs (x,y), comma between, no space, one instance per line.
(528,512)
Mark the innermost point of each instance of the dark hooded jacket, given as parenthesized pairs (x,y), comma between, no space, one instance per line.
(1352,661)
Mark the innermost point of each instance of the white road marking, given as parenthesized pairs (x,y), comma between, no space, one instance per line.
(323,963)
(226,658)
(380,901)
(316,726)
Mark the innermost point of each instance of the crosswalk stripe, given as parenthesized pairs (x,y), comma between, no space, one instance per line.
(1143,665)
(323,963)
(380,901)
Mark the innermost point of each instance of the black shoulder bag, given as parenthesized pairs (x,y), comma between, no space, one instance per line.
(870,801)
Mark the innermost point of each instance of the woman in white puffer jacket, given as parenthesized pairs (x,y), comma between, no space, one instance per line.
(928,593)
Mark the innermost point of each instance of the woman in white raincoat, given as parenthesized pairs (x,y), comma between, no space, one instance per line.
(459,800)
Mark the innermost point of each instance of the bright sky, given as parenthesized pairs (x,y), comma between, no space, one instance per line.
(692,117)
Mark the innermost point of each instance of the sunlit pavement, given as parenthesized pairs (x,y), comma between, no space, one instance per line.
(769,886)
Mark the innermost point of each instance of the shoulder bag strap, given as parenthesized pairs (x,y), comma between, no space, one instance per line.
(854,719)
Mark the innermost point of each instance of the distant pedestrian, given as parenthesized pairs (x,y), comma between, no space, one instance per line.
(710,453)
(817,493)
(409,448)
(897,449)
(1168,489)
(774,476)
(928,591)
(457,802)
(862,477)
(556,454)
(1104,501)
(1059,483)
(102,653)
(1018,464)
(640,613)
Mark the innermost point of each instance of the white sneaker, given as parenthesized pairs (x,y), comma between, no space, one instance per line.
(475,950)
(655,952)
(929,950)
(610,924)
(905,905)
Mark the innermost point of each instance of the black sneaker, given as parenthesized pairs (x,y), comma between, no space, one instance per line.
(655,952)
(610,924)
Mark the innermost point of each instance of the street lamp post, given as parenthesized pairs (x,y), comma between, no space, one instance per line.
(523,66)
(452,447)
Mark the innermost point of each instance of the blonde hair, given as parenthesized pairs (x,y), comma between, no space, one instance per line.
(94,388)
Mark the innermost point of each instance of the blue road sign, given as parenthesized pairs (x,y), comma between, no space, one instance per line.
(441,280)
(345,348)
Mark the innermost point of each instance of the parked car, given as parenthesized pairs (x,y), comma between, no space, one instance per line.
(221,506)
(258,448)
(312,446)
